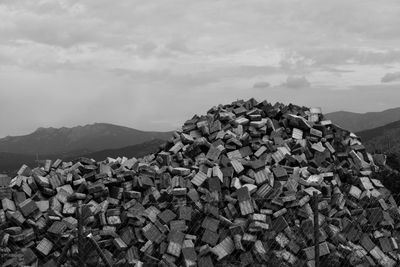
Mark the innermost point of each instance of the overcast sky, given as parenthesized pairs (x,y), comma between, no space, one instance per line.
(153,64)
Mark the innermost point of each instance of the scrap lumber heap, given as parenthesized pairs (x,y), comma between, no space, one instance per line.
(233,187)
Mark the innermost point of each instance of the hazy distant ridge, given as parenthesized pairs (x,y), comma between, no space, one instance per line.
(362,121)
(85,139)
(384,138)
(11,162)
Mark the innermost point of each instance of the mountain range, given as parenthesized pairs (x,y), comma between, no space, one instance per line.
(97,141)
(78,140)
(362,121)
(379,131)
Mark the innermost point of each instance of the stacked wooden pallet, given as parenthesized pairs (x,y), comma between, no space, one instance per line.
(232,187)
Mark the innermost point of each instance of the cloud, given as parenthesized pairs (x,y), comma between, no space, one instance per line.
(336,70)
(159,34)
(295,82)
(261,85)
(328,56)
(178,46)
(194,79)
(155,50)
(391,77)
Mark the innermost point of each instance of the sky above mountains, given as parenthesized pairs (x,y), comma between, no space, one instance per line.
(153,64)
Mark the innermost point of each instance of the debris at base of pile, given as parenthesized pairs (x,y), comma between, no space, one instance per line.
(233,187)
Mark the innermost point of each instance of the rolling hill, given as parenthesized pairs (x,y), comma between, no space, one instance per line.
(77,140)
(362,121)
(136,151)
(385,138)
(11,162)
